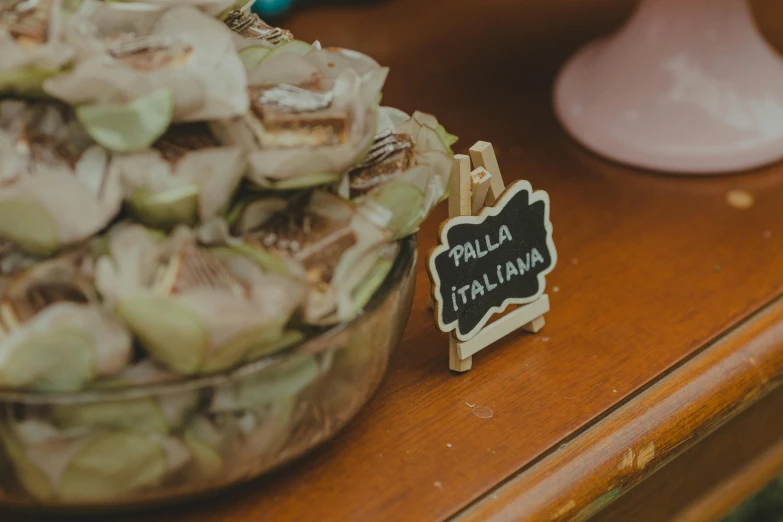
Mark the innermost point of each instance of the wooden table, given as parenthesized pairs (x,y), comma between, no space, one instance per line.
(665,320)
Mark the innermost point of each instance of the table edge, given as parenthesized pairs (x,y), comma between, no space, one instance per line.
(642,434)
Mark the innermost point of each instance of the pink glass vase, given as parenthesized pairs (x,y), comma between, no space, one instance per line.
(686,86)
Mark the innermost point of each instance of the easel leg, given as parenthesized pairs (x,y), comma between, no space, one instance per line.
(535,325)
(455,363)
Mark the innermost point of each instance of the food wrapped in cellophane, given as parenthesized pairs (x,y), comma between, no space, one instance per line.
(215,8)
(84,465)
(407,169)
(194,310)
(313,114)
(314,121)
(250,417)
(187,177)
(31,48)
(139,69)
(56,185)
(54,333)
(323,239)
(197,213)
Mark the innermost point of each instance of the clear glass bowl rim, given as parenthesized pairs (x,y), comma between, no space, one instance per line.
(397,272)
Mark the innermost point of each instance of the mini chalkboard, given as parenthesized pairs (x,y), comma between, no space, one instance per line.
(490,257)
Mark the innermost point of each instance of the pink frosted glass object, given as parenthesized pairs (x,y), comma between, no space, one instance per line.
(687,86)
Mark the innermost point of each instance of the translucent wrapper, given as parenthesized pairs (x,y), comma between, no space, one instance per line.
(313,115)
(155,414)
(185,179)
(215,8)
(13,259)
(54,334)
(326,239)
(56,184)
(142,373)
(30,46)
(252,417)
(143,436)
(283,380)
(407,170)
(86,465)
(126,55)
(193,310)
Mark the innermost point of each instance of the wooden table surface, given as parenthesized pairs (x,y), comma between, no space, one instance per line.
(655,335)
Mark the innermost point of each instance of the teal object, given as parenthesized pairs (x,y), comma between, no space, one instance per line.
(271,7)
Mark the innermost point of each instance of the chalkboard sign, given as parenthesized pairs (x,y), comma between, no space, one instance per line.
(487,262)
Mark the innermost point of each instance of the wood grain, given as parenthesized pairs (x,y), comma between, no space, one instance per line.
(483,155)
(710,479)
(651,270)
(506,325)
(479,188)
(619,452)
(460,198)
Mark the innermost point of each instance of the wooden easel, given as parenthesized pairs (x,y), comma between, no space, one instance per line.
(471,190)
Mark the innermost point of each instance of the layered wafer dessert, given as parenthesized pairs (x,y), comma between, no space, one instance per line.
(184,190)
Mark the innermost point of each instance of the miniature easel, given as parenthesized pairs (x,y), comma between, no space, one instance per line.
(470,192)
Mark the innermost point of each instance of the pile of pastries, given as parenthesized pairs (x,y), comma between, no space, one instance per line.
(184,189)
(182,184)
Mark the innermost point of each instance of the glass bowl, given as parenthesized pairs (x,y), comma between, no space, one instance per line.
(127,447)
